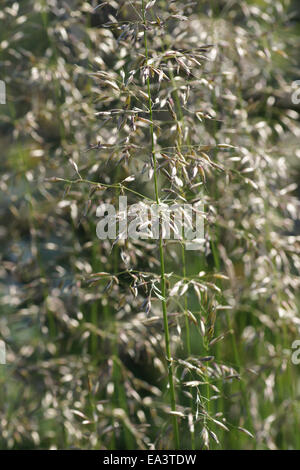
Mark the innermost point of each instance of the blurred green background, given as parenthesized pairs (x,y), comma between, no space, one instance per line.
(85,365)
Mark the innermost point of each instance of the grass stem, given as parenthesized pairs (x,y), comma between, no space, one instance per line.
(161,255)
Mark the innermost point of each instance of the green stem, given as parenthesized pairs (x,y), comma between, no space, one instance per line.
(183,258)
(187,324)
(162,261)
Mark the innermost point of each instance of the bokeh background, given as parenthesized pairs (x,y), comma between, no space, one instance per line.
(85,359)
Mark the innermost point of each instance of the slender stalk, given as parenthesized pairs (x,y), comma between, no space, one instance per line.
(162,260)
(187,324)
